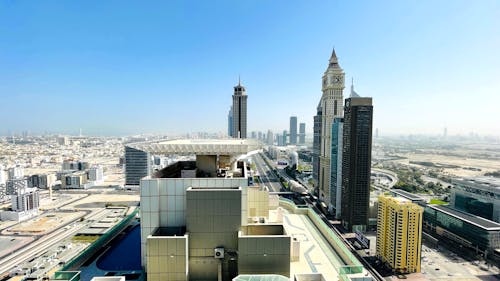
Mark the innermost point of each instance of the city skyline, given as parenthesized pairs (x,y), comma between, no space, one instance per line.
(122,69)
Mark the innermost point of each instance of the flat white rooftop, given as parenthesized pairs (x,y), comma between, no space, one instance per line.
(199,146)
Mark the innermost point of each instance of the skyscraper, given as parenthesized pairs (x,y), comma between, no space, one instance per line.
(239,112)
(270,137)
(302,133)
(356,161)
(331,104)
(336,167)
(293,130)
(317,146)
(230,122)
(137,166)
(399,233)
(285,139)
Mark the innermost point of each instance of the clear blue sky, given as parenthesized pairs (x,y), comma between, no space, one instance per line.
(127,67)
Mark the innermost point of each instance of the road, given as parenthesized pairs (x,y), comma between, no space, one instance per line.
(267,175)
(37,247)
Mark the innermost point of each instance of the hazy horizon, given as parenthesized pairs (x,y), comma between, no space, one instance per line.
(170,67)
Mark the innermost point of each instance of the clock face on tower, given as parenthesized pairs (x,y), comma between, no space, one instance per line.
(338,79)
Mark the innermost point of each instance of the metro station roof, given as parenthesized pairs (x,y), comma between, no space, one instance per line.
(199,146)
(475,220)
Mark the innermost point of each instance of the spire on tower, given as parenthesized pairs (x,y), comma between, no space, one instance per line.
(353,93)
(334,62)
(239,80)
(333,57)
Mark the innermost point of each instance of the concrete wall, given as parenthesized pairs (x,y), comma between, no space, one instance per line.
(207,164)
(213,220)
(264,255)
(163,202)
(167,258)
(258,202)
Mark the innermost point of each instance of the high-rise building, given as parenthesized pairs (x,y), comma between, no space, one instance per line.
(356,161)
(331,104)
(336,167)
(279,140)
(302,133)
(230,122)
(137,166)
(254,135)
(270,137)
(285,139)
(293,130)
(399,233)
(316,145)
(239,112)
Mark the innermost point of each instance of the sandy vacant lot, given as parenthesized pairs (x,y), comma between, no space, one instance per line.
(45,223)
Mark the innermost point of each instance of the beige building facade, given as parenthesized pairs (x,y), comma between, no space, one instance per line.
(332,106)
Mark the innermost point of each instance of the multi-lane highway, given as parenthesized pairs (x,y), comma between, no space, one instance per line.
(37,247)
(267,175)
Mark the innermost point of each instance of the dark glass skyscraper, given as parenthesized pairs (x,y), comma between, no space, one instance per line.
(356,162)
(239,112)
(137,165)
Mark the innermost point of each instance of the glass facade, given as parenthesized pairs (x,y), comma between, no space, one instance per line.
(336,166)
(474,206)
(440,221)
(356,162)
(137,165)
(317,144)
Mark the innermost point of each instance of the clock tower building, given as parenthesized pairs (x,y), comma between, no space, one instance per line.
(332,107)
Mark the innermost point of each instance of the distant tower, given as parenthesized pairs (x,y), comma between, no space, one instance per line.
(356,161)
(239,112)
(331,104)
(285,140)
(445,132)
(316,146)
(293,130)
(270,137)
(302,133)
(399,233)
(376,133)
(230,122)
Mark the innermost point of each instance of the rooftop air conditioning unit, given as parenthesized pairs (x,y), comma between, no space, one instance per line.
(219,253)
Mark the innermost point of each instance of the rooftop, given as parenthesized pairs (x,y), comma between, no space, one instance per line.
(199,147)
(475,220)
(483,180)
(410,196)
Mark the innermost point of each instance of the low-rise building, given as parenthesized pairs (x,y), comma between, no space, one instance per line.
(75,180)
(479,196)
(465,229)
